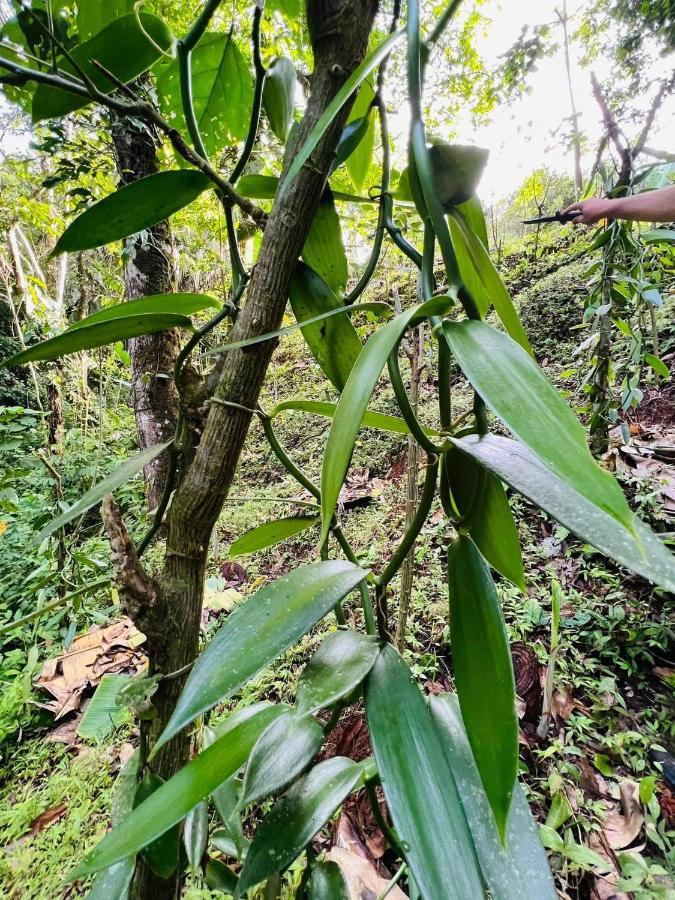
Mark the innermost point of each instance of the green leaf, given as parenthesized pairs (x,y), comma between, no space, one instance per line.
(196,834)
(457,169)
(360,155)
(124,47)
(157,304)
(110,483)
(324,251)
(294,819)
(90,336)
(270,534)
(161,854)
(357,77)
(491,525)
(658,235)
(337,668)
(657,365)
(174,799)
(474,258)
(93,15)
(326,882)
(381,421)
(279,96)
(513,385)
(114,883)
(483,671)
(376,307)
(283,751)
(472,213)
(637,547)
(334,342)
(132,208)
(418,784)
(354,402)
(222,92)
(103,713)
(259,630)
(220,878)
(518,869)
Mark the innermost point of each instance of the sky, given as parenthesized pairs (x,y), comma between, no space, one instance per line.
(520,136)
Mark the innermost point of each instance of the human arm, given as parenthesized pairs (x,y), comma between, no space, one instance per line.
(650,206)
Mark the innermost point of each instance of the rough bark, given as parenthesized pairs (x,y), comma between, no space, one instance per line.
(170,607)
(149,269)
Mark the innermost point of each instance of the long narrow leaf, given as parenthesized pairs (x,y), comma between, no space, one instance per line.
(513,385)
(259,630)
(173,800)
(355,79)
(97,335)
(483,672)
(378,307)
(354,402)
(157,304)
(518,869)
(381,421)
(270,534)
(636,547)
(117,478)
(418,784)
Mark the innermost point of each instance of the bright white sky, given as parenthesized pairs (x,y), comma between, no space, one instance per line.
(520,137)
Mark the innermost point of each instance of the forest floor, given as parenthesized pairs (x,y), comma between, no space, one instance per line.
(607,812)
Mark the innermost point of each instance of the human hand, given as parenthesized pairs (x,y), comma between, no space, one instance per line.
(590,211)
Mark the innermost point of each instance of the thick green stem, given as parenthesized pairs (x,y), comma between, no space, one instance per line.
(411,420)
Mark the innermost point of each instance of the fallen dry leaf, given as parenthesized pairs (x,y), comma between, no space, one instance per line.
(65,733)
(604,887)
(39,823)
(361,878)
(622,826)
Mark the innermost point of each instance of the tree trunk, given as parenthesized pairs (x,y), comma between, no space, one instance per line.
(149,269)
(168,608)
(576,134)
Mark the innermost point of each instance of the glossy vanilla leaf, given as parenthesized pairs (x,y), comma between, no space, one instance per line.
(283,751)
(222,92)
(127,46)
(482,278)
(418,784)
(97,335)
(157,304)
(380,421)
(483,672)
(264,187)
(637,547)
(491,522)
(355,398)
(457,169)
(519,868)
(220,877)
(357,77)
(327,882)
(107,485)
(337,668)
(133,208)
(360,156)
(324,251)
(269,622)
(334,342)
(196,834)
(103,713)
(516,389)
(279,96)
(294,819)
(161,854)
(174,799)
(472,213)
(352,134)
(270,534)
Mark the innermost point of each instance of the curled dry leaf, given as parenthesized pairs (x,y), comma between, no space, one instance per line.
(361,877)
(622,826)
(604,887)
